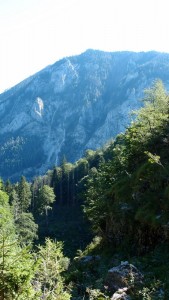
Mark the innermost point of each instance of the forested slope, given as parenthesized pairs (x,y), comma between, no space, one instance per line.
(123,190)
(132,188)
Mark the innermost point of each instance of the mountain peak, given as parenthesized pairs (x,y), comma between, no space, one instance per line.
(79,102)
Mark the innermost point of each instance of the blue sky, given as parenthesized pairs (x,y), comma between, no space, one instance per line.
(36,33)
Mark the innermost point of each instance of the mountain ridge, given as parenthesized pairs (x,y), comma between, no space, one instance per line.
(77,103)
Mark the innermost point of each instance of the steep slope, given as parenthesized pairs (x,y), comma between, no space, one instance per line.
(78,103)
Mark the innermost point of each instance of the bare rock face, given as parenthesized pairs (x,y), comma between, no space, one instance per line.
(78,103)
(37,109)
(121,295)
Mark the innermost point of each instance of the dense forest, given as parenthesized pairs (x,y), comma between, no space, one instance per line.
(61,233)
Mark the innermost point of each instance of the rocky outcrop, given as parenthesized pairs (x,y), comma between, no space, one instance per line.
(80,102)
(123,277)
(121,295)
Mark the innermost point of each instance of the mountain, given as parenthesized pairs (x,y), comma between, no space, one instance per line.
(79,102)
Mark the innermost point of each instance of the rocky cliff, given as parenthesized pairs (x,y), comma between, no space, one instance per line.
(80,102)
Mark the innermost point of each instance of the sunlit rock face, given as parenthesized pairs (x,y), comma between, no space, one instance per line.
(80,102)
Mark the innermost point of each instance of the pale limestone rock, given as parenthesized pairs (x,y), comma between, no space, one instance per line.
(38,109)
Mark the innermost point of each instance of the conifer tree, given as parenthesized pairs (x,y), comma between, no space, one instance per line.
(52,264)
(24,194)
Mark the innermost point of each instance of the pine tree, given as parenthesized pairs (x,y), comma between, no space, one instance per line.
(24,194)
(52,264)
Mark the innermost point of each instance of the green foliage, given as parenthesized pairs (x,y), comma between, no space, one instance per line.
(8,187)
(96,294)
(126,198)
(24,221)
(17,270)
(16,264)
(6,218)
(126,191)
(24,274)
(51,264)
(26,228)
(24,194)
(68,180)
(15,203)
(1,184)
(46,197)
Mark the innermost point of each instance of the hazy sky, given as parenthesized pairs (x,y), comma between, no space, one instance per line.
(36,33)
